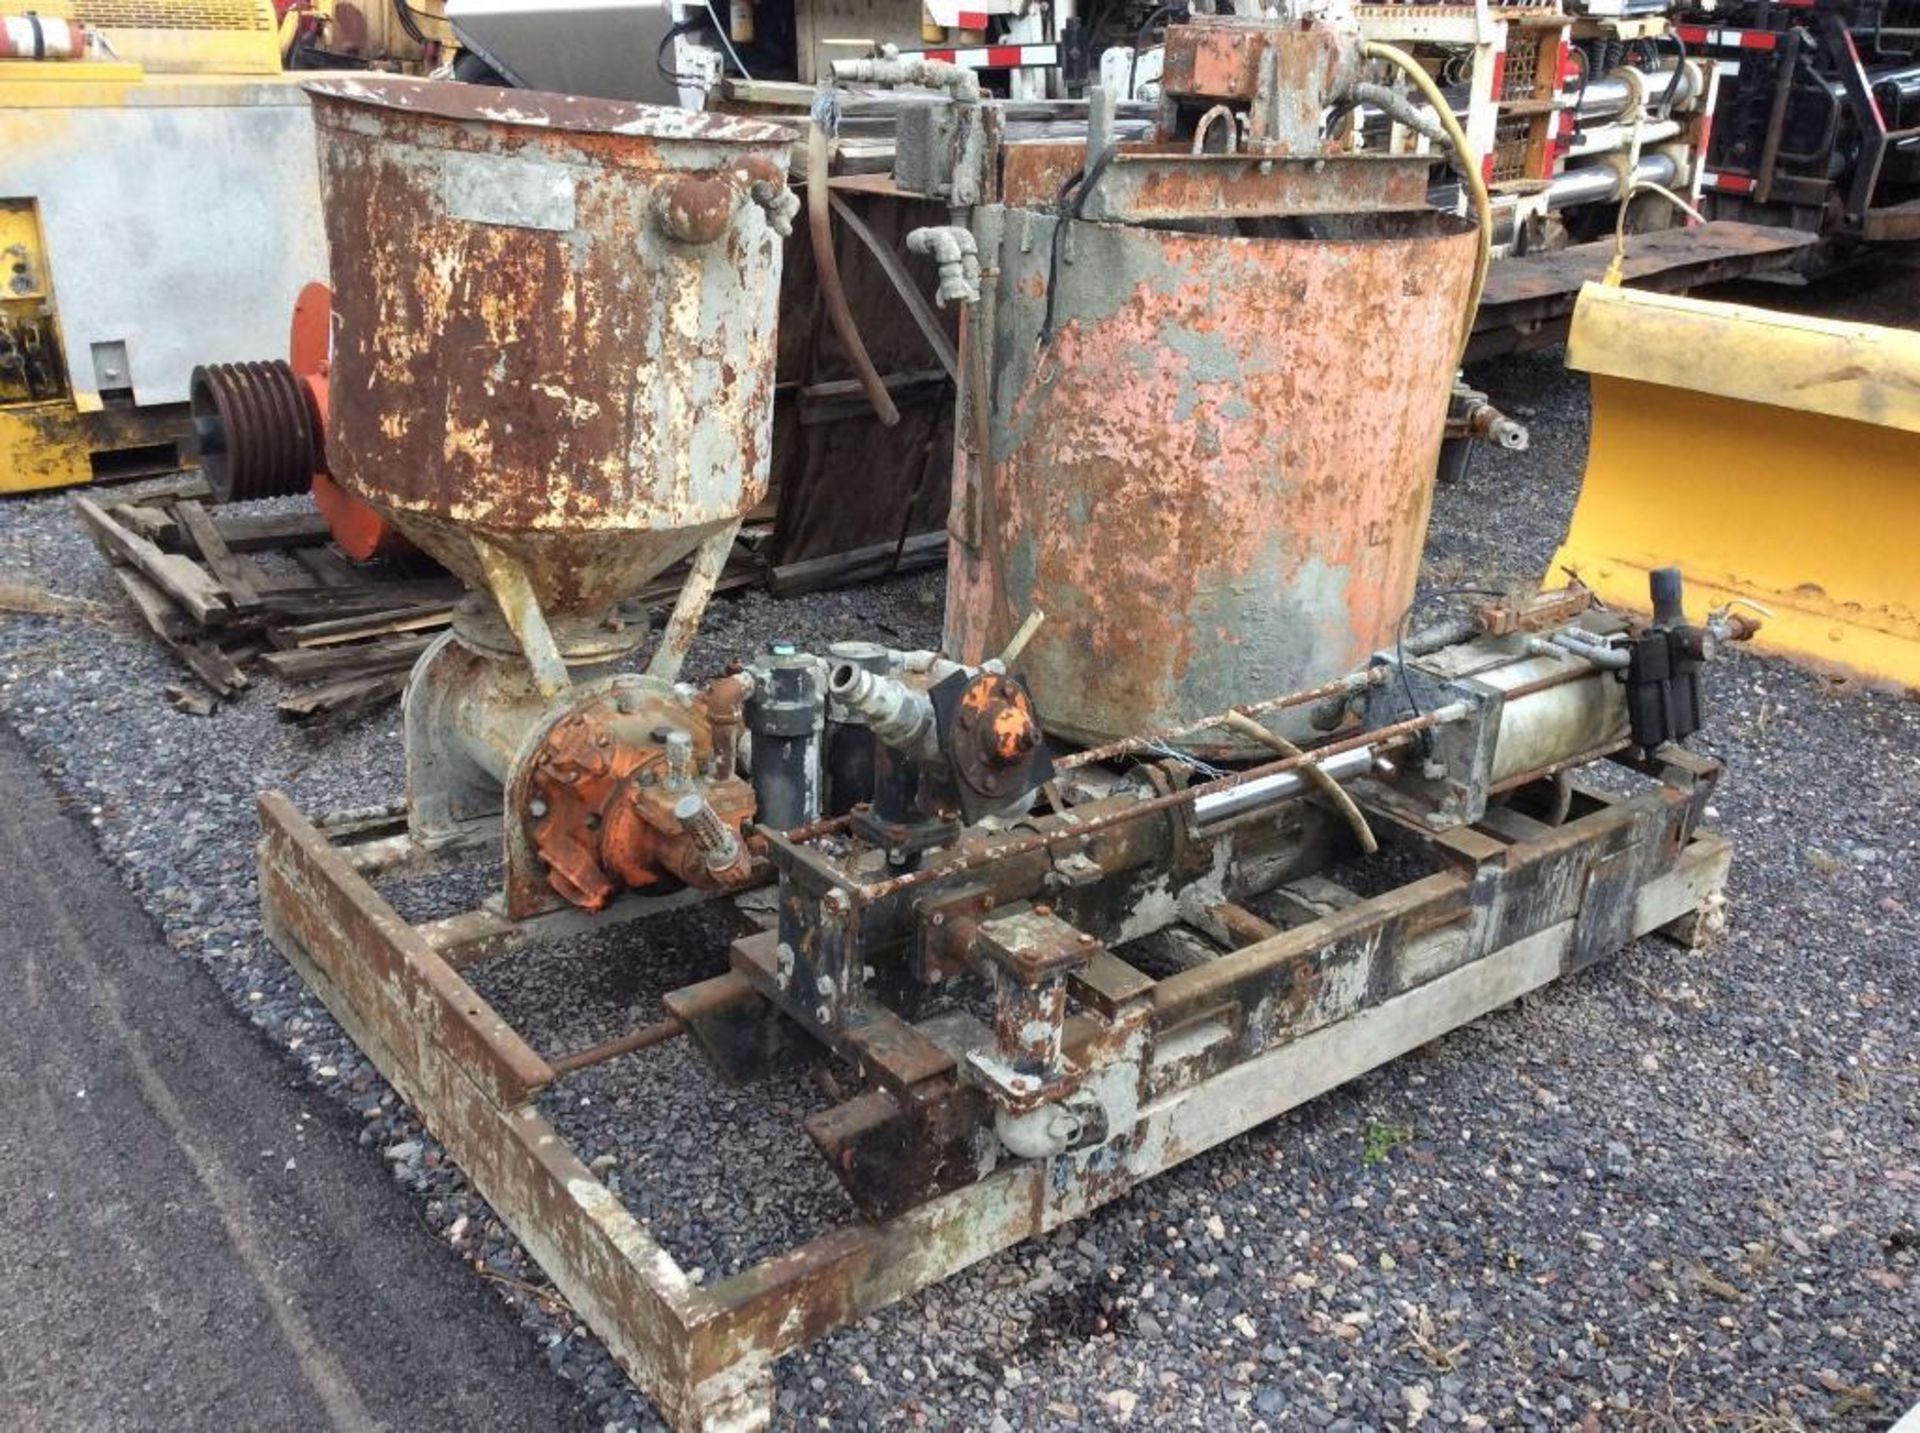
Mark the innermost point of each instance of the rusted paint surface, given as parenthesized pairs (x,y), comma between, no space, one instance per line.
(554,324)
(610,801)
(471,1080)
(1146,183)
(1285,75)
(1297,1041)
(1304,1010)
(1251,427)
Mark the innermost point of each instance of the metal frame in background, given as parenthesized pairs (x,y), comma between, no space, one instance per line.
(1514,904)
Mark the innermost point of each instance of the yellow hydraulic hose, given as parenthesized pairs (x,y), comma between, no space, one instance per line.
(1468,163)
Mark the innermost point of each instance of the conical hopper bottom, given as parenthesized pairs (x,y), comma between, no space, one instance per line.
(572,574)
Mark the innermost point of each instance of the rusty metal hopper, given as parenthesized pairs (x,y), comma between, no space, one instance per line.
(554,326)
(1214,479)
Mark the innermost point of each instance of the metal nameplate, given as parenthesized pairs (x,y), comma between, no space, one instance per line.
(489,189)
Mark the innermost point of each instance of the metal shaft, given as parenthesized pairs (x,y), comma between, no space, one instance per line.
(712,835)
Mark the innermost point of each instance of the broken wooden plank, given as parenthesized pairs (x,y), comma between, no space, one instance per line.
(321,604)
(841,398)
(193,703)
(312,664)
(255,532)
(180,635)
(179,577)
(736,575)
(424,618)
(347,697)
(328,565)
(155,524)
(237,574)
(248,532)
(162,490)
(790,579)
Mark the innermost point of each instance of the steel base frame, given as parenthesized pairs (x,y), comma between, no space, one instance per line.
(1514,905)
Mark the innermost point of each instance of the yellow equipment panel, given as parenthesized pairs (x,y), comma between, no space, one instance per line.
(188,37)
(1771,457)
(38,447)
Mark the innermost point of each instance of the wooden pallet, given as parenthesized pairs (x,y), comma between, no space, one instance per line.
(338,637)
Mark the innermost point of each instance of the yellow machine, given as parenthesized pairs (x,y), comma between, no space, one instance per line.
(159,209)
(1774,458)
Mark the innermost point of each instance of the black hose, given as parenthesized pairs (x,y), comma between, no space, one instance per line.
(1679,69)
(408,16)
(1139,41)
(1081,184)
(674,77)
(404,13)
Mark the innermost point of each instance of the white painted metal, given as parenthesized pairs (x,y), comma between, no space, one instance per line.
(604,48)
(181,222)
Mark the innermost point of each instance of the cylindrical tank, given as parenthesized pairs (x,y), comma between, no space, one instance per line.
(1214,477)
(554,323)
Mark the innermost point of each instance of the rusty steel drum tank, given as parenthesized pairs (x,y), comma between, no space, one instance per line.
(1214,478)
(554,324)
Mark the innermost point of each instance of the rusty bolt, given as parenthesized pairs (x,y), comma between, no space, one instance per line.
(836,900)
(1043,910)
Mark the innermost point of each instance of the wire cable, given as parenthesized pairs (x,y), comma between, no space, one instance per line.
(726,43)
(1077,185)
(674,77)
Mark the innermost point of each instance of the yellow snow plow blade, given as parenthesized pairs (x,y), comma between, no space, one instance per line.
(1768,456)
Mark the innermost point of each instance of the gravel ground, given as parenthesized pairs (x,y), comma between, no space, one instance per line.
(1679,1191)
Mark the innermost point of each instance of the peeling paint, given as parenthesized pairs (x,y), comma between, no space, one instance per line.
(524,350)
(1208,398)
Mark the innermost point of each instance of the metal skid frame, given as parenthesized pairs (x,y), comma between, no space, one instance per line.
(1513,904)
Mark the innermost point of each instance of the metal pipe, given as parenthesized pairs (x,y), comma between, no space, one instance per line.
(1398,108)
(1599,183)
(959,82)
(644,1038)
(1127,746)
(1618,91)
(1321,777)
(900,716)
(1610,138)
(1378,741)
(1593,649)
(1242,926)
(1286,786)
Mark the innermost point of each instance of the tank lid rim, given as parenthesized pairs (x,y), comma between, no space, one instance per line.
(538,109)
